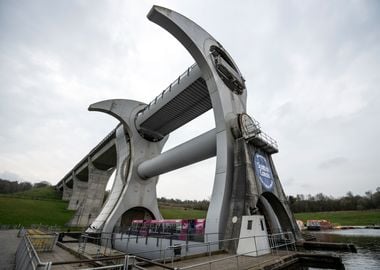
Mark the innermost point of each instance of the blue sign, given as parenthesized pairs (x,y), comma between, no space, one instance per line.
(263,171)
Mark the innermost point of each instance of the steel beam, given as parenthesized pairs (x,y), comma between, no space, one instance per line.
(195,150)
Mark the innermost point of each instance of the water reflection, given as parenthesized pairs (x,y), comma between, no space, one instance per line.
(367,242)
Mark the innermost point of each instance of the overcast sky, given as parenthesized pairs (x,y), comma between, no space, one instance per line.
(312,70)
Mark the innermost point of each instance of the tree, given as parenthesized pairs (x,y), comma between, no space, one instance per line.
(376,198)
(7,186)
(42,184)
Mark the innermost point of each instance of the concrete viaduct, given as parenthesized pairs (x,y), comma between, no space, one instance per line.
(245,182)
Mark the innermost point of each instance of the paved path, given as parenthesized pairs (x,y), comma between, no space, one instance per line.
(8,247)
(61,255)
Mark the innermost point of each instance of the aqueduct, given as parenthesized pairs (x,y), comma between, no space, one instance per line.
(245,182)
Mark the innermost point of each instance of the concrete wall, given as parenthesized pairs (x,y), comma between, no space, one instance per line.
(91,199)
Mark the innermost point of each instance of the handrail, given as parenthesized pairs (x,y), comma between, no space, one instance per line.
(265,137)
(286,238)
(27,255)
(276,241)
(252,129)
(168,89)
(246,253)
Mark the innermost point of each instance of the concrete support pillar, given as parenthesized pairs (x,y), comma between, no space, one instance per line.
(244,192)
(79,193)
(67,192)
(97,182)
(129,191)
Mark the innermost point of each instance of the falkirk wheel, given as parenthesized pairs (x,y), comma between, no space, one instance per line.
(246,181)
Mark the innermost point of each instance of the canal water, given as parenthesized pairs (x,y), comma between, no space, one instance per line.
(367,242)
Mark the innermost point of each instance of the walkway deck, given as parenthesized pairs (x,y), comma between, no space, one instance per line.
(226,261)
(61,255)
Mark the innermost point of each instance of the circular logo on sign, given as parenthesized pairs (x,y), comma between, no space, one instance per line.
(263,171)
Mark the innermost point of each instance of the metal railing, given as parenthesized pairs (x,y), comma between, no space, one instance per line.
(280,241)
(174,235)
(10,226)
(130,262)
(251,127)
(277,243)
(104,244)
(48,228)
(27,257)
(43,242)
(168,89)
(267,139)
(42,237)
(251,130)
(120,266)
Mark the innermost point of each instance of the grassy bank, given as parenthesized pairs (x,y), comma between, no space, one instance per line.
(44,206)
(177,212)
(42,193)
(36,206)
(349,218)
(27,211)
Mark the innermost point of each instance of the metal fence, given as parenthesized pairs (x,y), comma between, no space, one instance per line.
(43,242)
(131,263)
(110,267)
(27,257)
(10,226)
(279,244)
(50,228)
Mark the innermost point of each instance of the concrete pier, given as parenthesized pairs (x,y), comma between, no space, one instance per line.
(90,196)
(79,193)
(97,182)
(67,192)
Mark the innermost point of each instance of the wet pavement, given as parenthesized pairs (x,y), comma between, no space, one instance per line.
(8,247)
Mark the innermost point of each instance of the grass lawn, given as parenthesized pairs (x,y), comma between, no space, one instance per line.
(177,212)
(42,193)
(27,211)
(349,218)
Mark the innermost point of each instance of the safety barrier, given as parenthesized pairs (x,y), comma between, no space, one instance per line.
(169,88)
(27,257)
(43,242)
(49,228)
(109,267)
(10,227)
(279,243)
